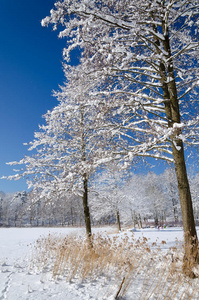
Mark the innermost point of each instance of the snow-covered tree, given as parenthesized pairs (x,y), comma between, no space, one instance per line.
(69,147)
(108,197)
(146,199)
(155,197)
(143,57)
(136,208)
(18,208)
(194,183)
(170,186)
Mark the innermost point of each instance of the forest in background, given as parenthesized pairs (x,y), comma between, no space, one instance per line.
(143,200)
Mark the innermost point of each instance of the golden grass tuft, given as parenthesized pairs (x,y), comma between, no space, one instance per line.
(121,260)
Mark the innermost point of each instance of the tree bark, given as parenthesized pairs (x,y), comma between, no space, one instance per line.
(85,182)
(86,207)
(190,235)
(156,221)
(118,220)
(172,111)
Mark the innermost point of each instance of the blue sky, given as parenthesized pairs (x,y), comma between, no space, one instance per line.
(30,68)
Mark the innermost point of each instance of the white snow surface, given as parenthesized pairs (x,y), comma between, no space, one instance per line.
(18,281)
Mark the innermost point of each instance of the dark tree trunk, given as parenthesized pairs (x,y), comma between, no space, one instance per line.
(173,116)
(175,211)
(156,221)
(85,182)
(140,221)
(190,235)
(86,207)
(71,211)
(118,220)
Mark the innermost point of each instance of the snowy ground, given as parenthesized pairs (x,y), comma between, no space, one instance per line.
(18,281)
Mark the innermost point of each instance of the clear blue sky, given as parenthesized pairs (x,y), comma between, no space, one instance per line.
(30,68)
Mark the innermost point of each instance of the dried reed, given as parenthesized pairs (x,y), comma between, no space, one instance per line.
(119,259)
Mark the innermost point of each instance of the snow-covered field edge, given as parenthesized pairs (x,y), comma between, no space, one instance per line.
(150,278)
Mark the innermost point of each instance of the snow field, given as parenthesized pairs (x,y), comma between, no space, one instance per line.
(146,272)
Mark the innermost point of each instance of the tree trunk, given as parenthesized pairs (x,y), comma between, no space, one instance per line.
(172,111)
(156,221)
(71,212)
(86,207)
(175,211)
(118,220)
(190,235)
(85,181)
(140,221)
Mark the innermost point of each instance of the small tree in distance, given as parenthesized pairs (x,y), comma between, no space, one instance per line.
(108,196)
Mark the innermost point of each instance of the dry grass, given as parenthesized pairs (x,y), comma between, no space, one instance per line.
(73,257)
(124,262)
